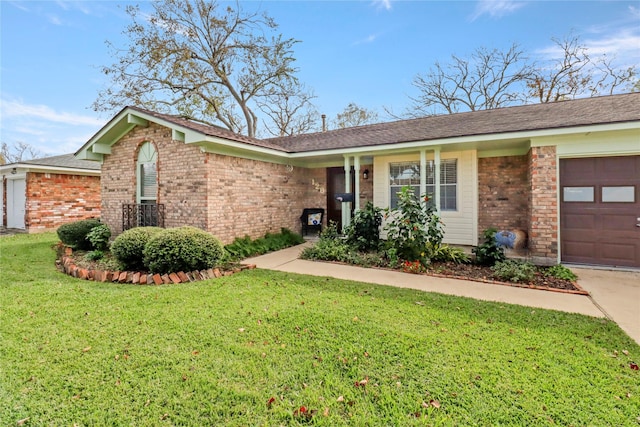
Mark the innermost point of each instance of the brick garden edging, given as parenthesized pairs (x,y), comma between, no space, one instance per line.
(66,264)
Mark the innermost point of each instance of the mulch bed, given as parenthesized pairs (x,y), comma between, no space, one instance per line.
(480,273)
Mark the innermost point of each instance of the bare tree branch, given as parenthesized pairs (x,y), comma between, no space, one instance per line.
(199,59)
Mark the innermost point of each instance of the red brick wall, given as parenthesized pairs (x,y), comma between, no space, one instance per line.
(56,199)
(227,196)
(543,205)
(503,192)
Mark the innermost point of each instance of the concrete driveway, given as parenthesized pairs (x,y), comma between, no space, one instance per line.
(616,294)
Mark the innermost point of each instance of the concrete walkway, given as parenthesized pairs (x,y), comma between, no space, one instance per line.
(614,294)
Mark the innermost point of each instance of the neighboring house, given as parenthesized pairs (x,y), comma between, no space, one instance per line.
(42,194)
(567,173)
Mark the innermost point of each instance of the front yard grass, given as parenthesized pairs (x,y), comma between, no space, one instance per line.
(270,348)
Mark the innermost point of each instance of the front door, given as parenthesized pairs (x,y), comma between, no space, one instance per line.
(335,184)
(600,210)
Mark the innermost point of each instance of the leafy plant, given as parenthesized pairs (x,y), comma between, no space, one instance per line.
(514,271)
(364,231)
(488,252)
(412,226)
(99,237)
(446,253)
(245,247)
(94,255)
(561,272)
(74,234)
(128,247)
(328,249)
(182,249)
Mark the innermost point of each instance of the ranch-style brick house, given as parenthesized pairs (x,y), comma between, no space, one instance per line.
(42,194)
(567,173)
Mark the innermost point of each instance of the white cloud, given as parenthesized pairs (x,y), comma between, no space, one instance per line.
(382,4)
(47,130)
(622,43)
(369,39)
(496,8)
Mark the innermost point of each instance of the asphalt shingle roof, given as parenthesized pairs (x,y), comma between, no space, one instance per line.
(580,112)
(63,161)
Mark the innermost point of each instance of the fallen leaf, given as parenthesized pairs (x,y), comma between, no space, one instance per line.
(326,412)
(195,352)
(270,401)
(434,403)
(84,350)
(241,330)
(22,421)
(634,366)
(625,352)
(164,417)
(340,399)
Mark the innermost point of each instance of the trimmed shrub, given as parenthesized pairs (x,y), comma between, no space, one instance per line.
(74,234)
(128,247)
(182,249)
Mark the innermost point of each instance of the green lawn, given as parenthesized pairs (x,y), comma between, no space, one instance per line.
(253,348)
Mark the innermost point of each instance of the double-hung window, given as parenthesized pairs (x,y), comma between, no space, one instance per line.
(408,174)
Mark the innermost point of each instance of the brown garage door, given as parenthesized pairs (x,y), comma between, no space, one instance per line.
(600,210)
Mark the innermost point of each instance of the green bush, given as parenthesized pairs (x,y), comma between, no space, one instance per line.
(74,234)
(489,253)
(364,231)
(328,249)
(245,247)
(99,237)
(413,225)
(182,249)
(446,253)
(561,272)
(128,247)
(514,271)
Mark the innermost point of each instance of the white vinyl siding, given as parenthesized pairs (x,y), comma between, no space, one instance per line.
(461,225)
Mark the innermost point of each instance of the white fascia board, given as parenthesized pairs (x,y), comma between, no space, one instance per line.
(25,167)
(241,146)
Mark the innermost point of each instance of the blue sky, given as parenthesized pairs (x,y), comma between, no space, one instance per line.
(365,52)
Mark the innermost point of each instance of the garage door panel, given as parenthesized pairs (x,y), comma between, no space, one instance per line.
(602,230)
(580,249)
(618,252)
(580,221)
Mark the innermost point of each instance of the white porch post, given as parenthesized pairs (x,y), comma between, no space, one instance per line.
(423,173)
(436,177)
(356,191)
(346,207)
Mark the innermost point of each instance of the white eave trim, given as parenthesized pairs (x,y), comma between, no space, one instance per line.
(23,167)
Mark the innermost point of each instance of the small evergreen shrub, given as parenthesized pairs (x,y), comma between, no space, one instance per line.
(364,231)
(99,237)
(74,234)
(514,271)
(128,247)
(182,249)
(488,252)
(561,272)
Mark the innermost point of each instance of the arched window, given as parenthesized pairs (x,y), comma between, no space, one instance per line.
(147,174)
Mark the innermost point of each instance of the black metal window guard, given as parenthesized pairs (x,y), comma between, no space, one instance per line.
(142,215)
